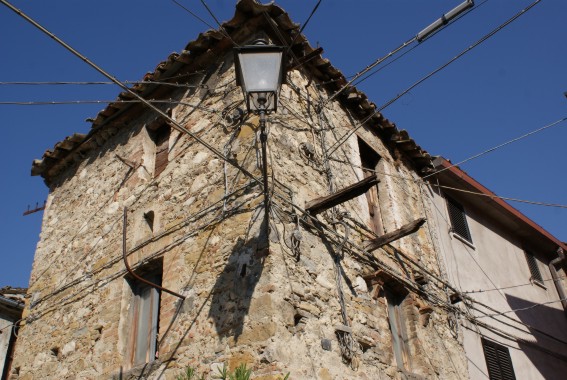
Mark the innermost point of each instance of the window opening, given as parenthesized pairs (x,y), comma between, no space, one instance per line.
(144,315)
(458,219)
(369,162)
(160,137)
(149,217)
(498,361)
(396,319)
(534,267)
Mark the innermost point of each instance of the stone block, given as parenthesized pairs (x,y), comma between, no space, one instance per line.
(257,332)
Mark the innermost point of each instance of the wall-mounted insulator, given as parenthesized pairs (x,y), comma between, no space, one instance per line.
(444,20)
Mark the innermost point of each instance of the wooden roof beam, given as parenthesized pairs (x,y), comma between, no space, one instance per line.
(319,205)
(380,241)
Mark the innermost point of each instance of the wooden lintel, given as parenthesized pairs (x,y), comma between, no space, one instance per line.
(410,228)
(318,205)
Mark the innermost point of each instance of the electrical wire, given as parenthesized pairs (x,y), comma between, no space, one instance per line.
(55,83)
(192,14)
(500,197)
(531,283)
(423,79)
(68,102)
(499,146)
(523,309)
(477,6)
(218,23)
(304,24)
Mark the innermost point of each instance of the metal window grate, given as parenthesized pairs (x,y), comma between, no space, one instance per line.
(534,268)
(498,361)
(458,219)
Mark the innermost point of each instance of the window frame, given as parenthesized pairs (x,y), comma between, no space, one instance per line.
(398,329)
(458,219)
(160,135)
(145,303)
(498,360)
(369,160)
(533,266)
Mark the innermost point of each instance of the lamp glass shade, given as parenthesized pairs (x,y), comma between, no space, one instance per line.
(261,71)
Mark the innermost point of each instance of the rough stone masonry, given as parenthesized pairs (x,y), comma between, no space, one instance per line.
(298,296)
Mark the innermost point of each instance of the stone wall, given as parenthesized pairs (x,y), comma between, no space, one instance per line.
(280,302)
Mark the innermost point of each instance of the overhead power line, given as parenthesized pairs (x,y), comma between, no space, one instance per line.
(434,28)
(193,14)
(67,102)
(147,103)
(378,69)
(504,198)
(218,22)
(82,83)
(507,287)
(523,309)
(345,137)
(500,146)
(305,24)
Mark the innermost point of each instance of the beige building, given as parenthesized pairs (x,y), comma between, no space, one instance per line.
(156,254)
(508,276)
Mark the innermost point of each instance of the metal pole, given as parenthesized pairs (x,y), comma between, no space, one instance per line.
(264,142)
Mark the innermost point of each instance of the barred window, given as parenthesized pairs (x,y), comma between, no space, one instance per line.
(498,361)
(458,219)
(534,268)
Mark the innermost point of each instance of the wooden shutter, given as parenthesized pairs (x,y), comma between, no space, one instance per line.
(458,219)
(498,361)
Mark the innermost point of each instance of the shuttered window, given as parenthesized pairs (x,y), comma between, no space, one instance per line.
(160,137)
(534,268)
(400,340)
(498,361)
(369,160)
(144,316)
(458,219)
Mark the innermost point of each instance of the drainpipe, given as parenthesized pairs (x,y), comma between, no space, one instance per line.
(556,280)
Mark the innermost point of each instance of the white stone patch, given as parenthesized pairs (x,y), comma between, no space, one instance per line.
(321,280)
(201,124)
(199,182)
(112,208)
(360,284)
(69,348)
(200,157)
(189,202)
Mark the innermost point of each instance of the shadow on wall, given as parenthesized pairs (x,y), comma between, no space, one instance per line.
(543,320)
(234,286)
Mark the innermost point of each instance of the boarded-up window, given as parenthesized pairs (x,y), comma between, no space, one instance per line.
(458,219)
(534,267)
(396,319)
(160,137)
(369,161)
(498,361)
(144,316)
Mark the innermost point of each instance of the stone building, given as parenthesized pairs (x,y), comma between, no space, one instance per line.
(327,293)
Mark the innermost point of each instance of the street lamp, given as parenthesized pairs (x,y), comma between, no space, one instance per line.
(260,72)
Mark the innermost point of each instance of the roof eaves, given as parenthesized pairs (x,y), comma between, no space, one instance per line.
(196,56)
(448,167)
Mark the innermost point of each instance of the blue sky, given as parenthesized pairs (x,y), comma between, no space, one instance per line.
(509,85)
